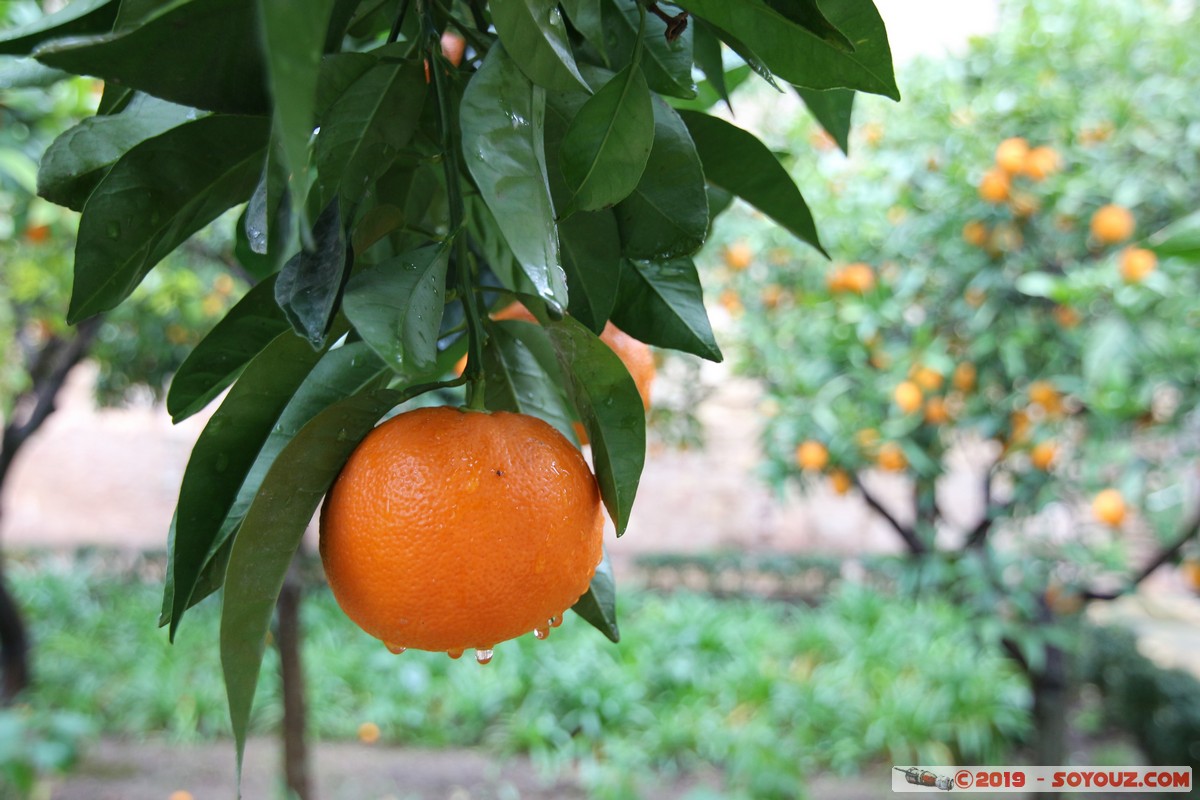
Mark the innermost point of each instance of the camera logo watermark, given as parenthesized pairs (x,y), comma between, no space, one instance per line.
(1041,779)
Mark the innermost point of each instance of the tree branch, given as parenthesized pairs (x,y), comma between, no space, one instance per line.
(1168,551)
(915,545)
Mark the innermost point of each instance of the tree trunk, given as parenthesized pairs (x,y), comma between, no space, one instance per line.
(14,647)
(295,723)
(1050,705)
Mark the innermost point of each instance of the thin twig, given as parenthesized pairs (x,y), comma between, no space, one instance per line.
(915,545)
(1186,534)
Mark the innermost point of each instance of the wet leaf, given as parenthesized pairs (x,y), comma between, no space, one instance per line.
(599,604)
(150,202)
(80,18)
(310,282)
(517,380)
(534,34)
(832,109)
(661,303)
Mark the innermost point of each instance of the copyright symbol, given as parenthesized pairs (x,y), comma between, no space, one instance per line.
(963,779)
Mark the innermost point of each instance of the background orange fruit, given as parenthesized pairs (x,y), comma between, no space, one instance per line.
(1112,224)
(908,396)
(1108,506)
(451,529)
(994,186)
(1011,155)
(1137,263)
(812,455)
(891,457)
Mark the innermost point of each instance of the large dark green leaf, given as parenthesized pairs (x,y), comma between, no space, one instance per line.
(808,15)
(587,17)
(155,197)
(77,160)
(396,307)
(591,254)
(203,53)
(738,162)
(218,359)
(293,37)
(605,148)
(226,450)
(661,303)
(832,109)
(365,128)
(708,58)
(667,214)
(599,604)
(756,64)
(268,225)
(80,18)
(667,65)
(534,34)
(269,536)
(502,116)
(310,282)
(611,409)
(516,379)
(804,58)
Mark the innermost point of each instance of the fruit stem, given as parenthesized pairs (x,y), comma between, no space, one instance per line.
(465,267)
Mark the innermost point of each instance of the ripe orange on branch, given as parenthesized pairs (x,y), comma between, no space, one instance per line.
(812,455)
(449,529)
(1112,224)
(1011,155)
(1137,263)
(1108,506)
(908,396)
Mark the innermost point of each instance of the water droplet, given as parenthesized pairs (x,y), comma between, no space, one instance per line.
(343,435)
(556,621)
(113,230)
(454,653)
(483,655)
(396,649)
(541,633)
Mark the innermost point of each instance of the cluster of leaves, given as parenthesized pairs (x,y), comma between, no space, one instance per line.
(390,194)
(985,308)
(139,344)
(767,693)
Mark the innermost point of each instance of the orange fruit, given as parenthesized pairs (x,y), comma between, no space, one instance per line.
(182,794)
(868,439)
(891,457)
(927,378)
(1112,224)
(1190,569)
(1044,394)
(1024,204)
(1108,506)
(738,256)
(964,376)
(1011,155)
(453,47)
(1043,454)
(841,481)
(908,396)
(994,186)
(368,733)
(451,529)
(812,455)
(1137,263)
(1019,426)
(1066,316)
(1041,162)
(770,296)
(37,234)
(731,302)
(975,233)
(936,412)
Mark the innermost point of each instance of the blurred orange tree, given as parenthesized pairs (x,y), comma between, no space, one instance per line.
(999,300)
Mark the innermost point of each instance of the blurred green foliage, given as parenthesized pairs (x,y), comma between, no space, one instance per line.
(1017,287)
(35,743)
(767,693)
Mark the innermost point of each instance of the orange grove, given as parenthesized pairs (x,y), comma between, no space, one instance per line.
(451,529)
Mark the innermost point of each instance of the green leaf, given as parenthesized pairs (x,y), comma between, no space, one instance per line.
(611,409)
(832,109)
(503,117)
(587,17)
(667,214)
(1181,238)
(365,128)
(751,58)
(268,224)
(738,162)
(535,36)
(312,280)
(604,151)
(270,535)
(599,604)
(293,37)
(591,256)
(808,15)
(340,373)
(187,68)
(76,161)
(226,450)
(516,379)
(1039,284)
(80,18)
(155,197)
(708,58)
(27,73)
(397,306)
(667,65)
(801,57)
(661,303)
(218,359)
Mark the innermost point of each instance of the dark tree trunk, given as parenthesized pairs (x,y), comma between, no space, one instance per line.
(1050,704)
(295,723)
(48,368)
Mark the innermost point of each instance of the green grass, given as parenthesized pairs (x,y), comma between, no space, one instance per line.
(765,692)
